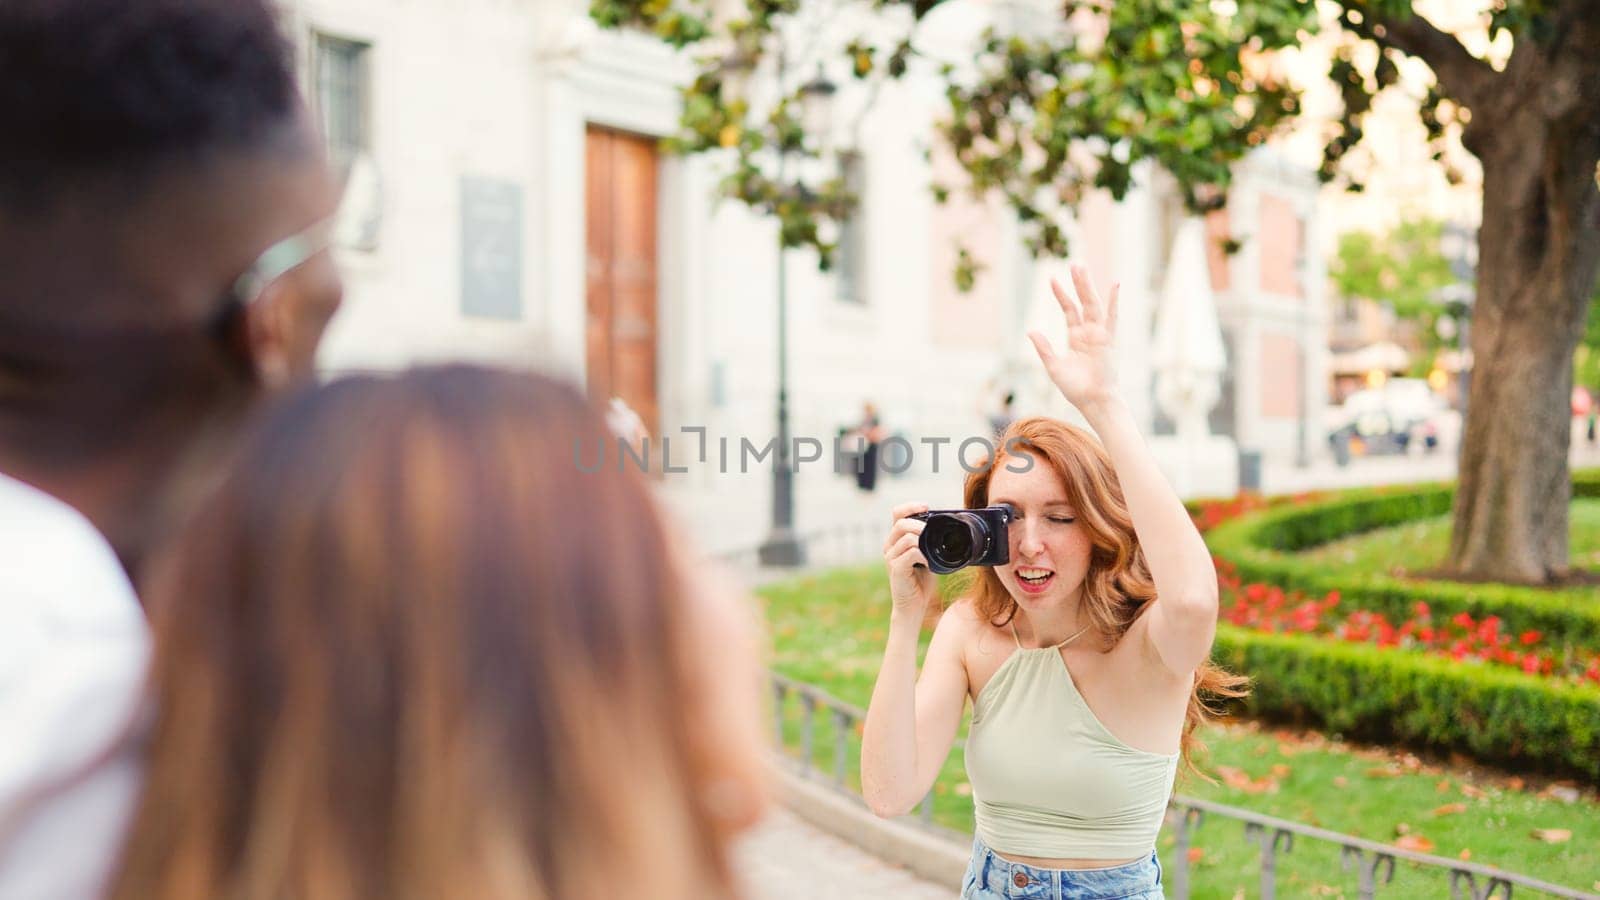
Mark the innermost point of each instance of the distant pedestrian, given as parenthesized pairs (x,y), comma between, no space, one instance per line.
(625,424)
(1005,415)
(997,406)
(870,430)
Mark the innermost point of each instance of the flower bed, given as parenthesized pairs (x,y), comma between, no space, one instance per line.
(1260,548)
(1263,607)
(1505,673)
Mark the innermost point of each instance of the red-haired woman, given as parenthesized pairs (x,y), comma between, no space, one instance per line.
(1085,655)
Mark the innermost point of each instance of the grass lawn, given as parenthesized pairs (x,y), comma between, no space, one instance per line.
(1422,545)
(829,630)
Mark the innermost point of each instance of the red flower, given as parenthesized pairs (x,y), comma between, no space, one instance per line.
(1421,609)
(1463,620)
(1530,664)
(1530,637)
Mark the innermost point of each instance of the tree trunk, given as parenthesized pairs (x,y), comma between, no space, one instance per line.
(1539,246)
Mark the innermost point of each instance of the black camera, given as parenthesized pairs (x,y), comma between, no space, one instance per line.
(957,538)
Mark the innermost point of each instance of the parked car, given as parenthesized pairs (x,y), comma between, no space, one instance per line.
(1402,414)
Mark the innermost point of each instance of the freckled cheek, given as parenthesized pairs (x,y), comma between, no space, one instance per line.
(1071,552)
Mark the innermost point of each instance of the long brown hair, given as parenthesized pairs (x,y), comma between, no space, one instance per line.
(1118,587)
(412,650)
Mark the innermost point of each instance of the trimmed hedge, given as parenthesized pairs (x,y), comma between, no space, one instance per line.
(1260,546)
(1389,695)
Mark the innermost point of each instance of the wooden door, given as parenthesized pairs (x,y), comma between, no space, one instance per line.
(621,325)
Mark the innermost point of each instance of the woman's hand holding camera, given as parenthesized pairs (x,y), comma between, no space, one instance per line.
(911,585)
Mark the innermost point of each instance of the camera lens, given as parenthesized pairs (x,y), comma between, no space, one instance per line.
(953,541)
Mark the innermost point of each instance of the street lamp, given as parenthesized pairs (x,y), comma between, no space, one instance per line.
(782,546)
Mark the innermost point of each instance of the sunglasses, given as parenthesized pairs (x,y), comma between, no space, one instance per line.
(275,262)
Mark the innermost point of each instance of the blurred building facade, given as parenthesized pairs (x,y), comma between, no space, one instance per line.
(528,217)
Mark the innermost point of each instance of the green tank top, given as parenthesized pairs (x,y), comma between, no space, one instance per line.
(1048,779)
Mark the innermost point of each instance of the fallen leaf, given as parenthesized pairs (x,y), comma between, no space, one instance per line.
(1195,853)
(1450,809)
(1415,842)
(1474,793)
(1515,783)
(1280,771)
(1552,835)
(1411,762)
(1443,785)
(1238,779)
(1402,828)
(1465,853)
(1383,773)
(1341,781)
(1234,778)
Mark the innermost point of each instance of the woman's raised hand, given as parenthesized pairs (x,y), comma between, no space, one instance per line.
(911,585)
(1084,372)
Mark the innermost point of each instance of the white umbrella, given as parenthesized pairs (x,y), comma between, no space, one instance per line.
(1187,352)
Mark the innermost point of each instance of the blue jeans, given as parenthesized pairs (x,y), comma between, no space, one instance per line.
(993,877)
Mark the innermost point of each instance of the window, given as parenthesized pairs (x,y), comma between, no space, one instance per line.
(343,94)
(850,261)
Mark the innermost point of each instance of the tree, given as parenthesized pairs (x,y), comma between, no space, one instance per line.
(1042,118)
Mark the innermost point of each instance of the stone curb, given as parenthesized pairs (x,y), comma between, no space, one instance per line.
(928,856)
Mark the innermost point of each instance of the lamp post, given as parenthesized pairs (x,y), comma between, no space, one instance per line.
(783,546)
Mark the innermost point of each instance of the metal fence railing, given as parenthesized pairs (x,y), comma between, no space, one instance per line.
(1373,862)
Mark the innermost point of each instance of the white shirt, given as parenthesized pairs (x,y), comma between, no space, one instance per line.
(74,646)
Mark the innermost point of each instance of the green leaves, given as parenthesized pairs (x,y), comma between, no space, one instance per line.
(1175,82)
(678,25)
(1404,268)
(1191,85)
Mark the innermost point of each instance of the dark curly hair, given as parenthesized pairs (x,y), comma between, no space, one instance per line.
(121,87)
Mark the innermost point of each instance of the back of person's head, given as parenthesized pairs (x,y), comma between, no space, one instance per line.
(150,151)
(1118,587)
(409,649)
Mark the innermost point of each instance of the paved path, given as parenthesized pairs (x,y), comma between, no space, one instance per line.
(787,859)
